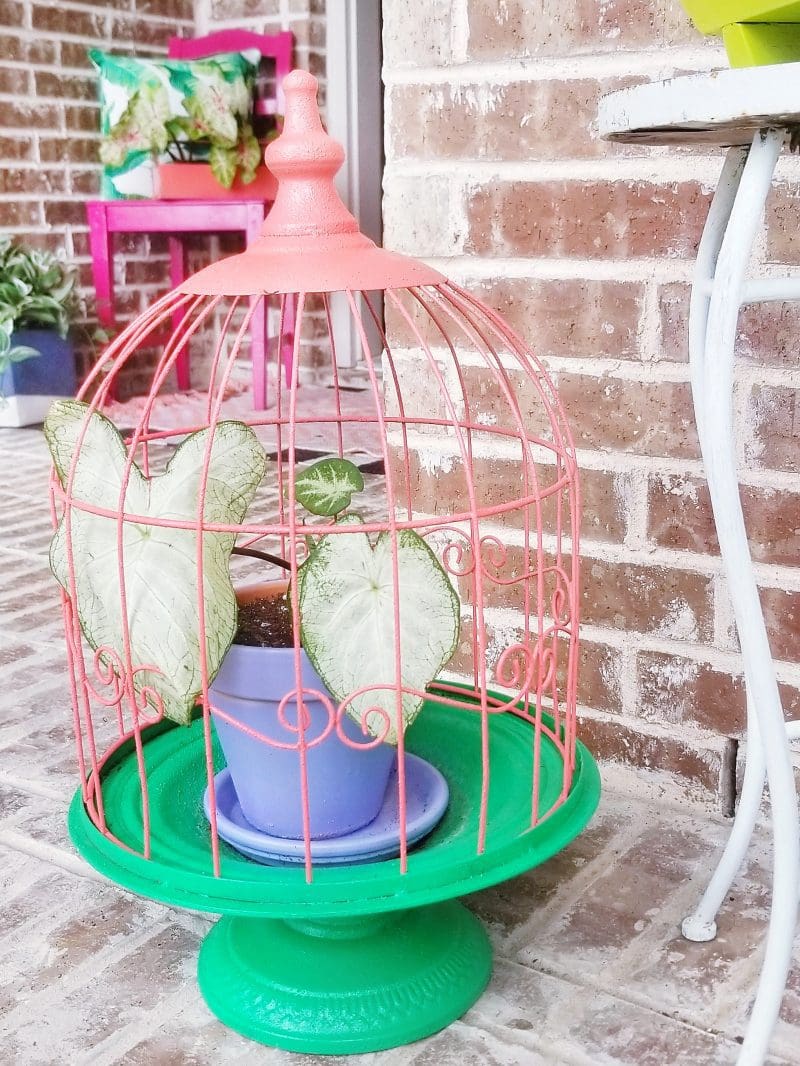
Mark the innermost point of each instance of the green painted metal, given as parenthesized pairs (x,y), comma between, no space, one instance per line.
(372,984)
(383,932)
(761,44)
(711,16)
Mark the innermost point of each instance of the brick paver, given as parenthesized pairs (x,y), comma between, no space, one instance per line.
(590,967)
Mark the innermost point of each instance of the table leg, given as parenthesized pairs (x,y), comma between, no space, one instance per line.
(100,246)
(177,274)
(701,926)
(258,323)
(286,339)
(731,230)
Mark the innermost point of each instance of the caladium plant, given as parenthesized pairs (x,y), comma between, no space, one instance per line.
(215,120)
(159,562)
(360,599)
(346,597)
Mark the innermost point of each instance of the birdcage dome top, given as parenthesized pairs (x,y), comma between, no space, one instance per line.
(310,242)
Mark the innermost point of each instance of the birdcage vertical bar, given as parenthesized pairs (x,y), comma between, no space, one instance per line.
(538,658)
(476,573)
(391,524)
(334,374)
(302,715)
(216,398)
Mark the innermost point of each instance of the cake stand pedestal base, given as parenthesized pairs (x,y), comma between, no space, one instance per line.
(343,986)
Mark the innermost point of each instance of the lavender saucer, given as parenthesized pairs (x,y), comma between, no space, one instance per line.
(426,801)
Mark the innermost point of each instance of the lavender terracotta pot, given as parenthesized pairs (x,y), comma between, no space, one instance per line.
(346,785)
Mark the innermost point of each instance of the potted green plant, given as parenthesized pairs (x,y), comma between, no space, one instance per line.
(755,32)
(344,594)
(37,360)
(193,119)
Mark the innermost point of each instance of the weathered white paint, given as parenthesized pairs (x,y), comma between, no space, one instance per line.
(721,107)
(726,108)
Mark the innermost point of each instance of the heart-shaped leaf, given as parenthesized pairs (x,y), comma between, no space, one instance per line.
(347,609)
(160,563)
(326,487)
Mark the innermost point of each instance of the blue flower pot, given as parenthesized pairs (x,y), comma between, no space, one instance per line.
(31,386)
(346,781)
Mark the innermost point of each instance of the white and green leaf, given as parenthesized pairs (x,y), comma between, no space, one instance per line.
(160,563)
(223,164)
(346,597)
(327,487)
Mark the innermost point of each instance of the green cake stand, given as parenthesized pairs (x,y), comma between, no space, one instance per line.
(363,957)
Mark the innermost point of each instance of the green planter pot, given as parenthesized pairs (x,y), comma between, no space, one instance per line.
(755,32)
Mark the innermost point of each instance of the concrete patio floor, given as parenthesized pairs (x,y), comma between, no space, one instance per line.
(590,968)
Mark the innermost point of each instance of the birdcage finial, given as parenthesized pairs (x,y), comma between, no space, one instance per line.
(309,242)
(305,161)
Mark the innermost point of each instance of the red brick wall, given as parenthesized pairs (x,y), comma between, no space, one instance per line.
(495,171)
(50,123)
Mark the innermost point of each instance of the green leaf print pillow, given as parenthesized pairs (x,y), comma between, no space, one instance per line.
(148,104)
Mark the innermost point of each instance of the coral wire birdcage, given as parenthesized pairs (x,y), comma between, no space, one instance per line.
(363,955)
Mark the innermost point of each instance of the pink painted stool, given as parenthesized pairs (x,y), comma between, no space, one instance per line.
(178,217)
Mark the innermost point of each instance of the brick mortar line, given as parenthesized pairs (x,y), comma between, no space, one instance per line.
(768,575)
(50,68)
(728,660)
(747,372)
(50,854)
(47,101)
(573,67)
(663,788)
(90,9)
(694,737)
(572,268)
(598,459)
(629,687)
(459,32)
(466,174)
(724,621)
(669,466)
(607,983)
(635,493)
(615,463)
(613,368)
(684,899)
(622,840)
(595,366)
(76,977)
(649,328)
(284,20)
(33,788)
(639,269)
(113,1050)
(549,1049)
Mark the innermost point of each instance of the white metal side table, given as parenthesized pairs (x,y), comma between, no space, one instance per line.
(754,112)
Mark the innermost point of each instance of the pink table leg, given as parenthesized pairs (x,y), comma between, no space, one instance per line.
(258,324)
(102,263)
(286,340)
(100,245)
(177,274)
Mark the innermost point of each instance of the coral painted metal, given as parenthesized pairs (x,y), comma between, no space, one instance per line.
(503,719)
